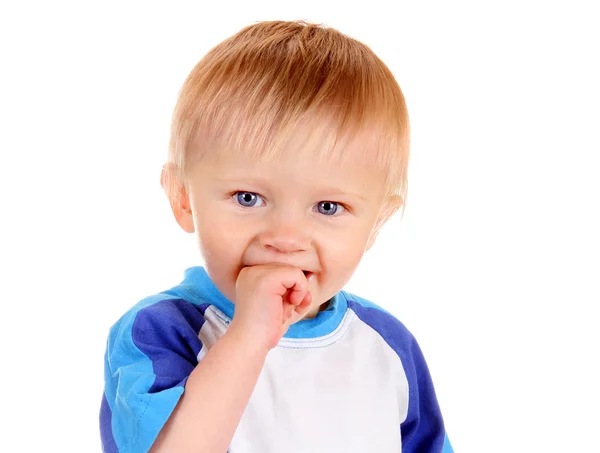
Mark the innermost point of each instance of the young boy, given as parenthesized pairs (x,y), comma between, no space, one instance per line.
(288,153)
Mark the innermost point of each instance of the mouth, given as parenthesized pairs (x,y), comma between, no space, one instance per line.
(306,273)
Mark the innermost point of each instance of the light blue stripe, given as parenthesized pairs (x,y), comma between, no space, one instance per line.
(127,389)
(365,303)
(447,448)
(198,288)
(323,324)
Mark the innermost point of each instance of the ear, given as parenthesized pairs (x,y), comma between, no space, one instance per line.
(178,198)
(389,208)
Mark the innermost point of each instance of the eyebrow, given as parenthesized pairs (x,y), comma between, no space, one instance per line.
(337,193)
(334,192)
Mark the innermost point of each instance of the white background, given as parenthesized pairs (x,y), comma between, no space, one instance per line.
(495,266)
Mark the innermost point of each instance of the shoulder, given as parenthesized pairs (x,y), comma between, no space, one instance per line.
(172,305)
(390,328)
(422,428)
(158,319)
(150,352)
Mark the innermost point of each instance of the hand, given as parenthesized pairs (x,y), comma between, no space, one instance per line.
(269,298)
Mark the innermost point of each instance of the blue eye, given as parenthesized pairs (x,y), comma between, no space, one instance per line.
(329,207)
(248,199)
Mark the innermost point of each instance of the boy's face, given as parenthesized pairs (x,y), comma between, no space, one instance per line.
(319,216)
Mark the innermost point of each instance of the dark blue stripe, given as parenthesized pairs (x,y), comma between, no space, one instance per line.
(108,441)
(167,333)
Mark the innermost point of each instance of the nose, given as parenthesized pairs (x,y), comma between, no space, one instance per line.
(285,236)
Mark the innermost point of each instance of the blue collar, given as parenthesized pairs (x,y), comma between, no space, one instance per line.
(198,288)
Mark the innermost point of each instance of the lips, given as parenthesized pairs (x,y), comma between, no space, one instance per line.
(306,272)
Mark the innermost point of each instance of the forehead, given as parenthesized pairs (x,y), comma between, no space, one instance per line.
(314,139)
(301,164)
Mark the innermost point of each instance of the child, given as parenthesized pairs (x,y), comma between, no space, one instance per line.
(288,153)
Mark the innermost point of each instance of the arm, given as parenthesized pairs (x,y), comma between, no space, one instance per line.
(158,397)
(269,299)
(150,353)
(214,399)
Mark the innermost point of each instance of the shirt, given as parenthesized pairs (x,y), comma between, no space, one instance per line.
(352,379)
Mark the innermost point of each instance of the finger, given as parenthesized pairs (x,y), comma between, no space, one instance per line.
(301,310)
(304,305)
(291,280)
(288,310)
(296,296)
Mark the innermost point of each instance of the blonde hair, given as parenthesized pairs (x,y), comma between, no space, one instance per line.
(258,88)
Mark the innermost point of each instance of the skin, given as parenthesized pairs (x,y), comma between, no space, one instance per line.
(279,259)
(285,225)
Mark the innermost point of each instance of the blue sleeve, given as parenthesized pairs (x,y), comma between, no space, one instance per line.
(423,429)
(150,353)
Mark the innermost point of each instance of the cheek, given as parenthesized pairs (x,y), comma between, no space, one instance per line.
(217,241)
(338,270)
(348,250)
(342,254)
(223,237)
(222,248)
(214,234)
